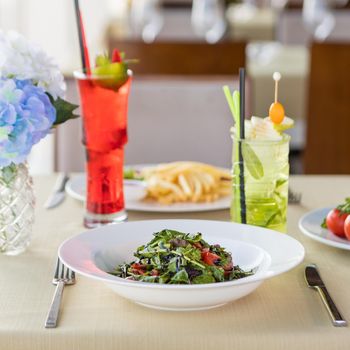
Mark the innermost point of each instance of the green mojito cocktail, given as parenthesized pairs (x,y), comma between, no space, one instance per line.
(260,165)
(266,172)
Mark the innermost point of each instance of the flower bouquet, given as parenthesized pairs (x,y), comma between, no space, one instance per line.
(31,105)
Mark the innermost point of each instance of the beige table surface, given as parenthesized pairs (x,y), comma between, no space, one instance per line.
(282,314)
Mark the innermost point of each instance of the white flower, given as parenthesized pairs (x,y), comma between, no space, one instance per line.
(21,59)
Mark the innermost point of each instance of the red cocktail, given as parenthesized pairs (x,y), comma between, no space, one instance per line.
(104,112)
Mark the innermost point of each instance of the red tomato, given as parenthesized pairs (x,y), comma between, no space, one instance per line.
(138,269)
(137,266)
(335,222)
(347,227)
(210,258)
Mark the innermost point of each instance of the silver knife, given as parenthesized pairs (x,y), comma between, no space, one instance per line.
(58,194)
(313,280)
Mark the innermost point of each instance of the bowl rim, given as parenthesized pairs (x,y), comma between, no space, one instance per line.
(111,279)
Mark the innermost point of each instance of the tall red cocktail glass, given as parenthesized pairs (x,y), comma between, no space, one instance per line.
(104,113)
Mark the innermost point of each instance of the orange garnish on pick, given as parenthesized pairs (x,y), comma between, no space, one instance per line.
(276,111)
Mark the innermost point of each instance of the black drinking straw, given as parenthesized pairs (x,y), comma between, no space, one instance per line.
(82,41)
(242,137)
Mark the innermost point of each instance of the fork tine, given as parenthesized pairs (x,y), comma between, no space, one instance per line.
(67,273)
(294,197)
(62,271)
(63,276)
(57,271)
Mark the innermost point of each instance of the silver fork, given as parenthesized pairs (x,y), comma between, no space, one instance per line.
(294,197)
(63,276)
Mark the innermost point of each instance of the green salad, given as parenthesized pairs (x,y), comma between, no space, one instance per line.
(173,257)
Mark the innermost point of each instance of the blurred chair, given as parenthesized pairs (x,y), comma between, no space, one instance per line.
(247,22)
(177,109)
(263,59)
(180,120)
(328,125)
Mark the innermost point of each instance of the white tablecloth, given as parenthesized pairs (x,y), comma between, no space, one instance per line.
(281,314)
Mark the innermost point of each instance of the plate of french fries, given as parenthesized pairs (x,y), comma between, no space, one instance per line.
(170,187)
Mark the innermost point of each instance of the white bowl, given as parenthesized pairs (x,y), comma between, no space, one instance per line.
(269,253)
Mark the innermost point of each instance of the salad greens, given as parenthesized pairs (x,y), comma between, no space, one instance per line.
(174,257)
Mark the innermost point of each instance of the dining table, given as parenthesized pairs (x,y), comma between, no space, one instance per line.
(283,313)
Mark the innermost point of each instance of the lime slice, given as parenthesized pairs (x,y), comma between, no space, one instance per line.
(287,123)
(114,75)
(102,60)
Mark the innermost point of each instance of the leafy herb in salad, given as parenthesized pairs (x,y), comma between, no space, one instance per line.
(173,257)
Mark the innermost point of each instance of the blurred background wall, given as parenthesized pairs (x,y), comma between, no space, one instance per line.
(278,35)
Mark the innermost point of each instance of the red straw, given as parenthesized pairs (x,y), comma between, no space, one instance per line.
(84,52)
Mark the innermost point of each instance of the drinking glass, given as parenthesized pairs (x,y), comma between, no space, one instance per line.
(264,188)
(146,19)
(318,18)
(104,114)
(208,19)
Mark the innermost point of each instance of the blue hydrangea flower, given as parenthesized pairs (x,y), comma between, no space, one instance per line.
(26,116)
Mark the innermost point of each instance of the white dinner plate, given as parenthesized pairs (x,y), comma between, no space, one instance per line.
(310,225)
(95,252)
(76,188)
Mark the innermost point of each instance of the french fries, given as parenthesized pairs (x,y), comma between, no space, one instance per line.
(186,182)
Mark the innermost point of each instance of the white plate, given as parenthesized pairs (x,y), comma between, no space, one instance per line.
(95,252)
(310,225)
(76,188)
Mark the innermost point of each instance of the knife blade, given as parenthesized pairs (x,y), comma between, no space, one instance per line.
(314,280)
(58,194)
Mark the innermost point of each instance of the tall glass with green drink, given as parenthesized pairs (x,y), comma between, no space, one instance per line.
(266,172)
(260,166)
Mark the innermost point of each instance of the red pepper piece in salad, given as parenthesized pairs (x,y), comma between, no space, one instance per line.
(209,258)
(138,269)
